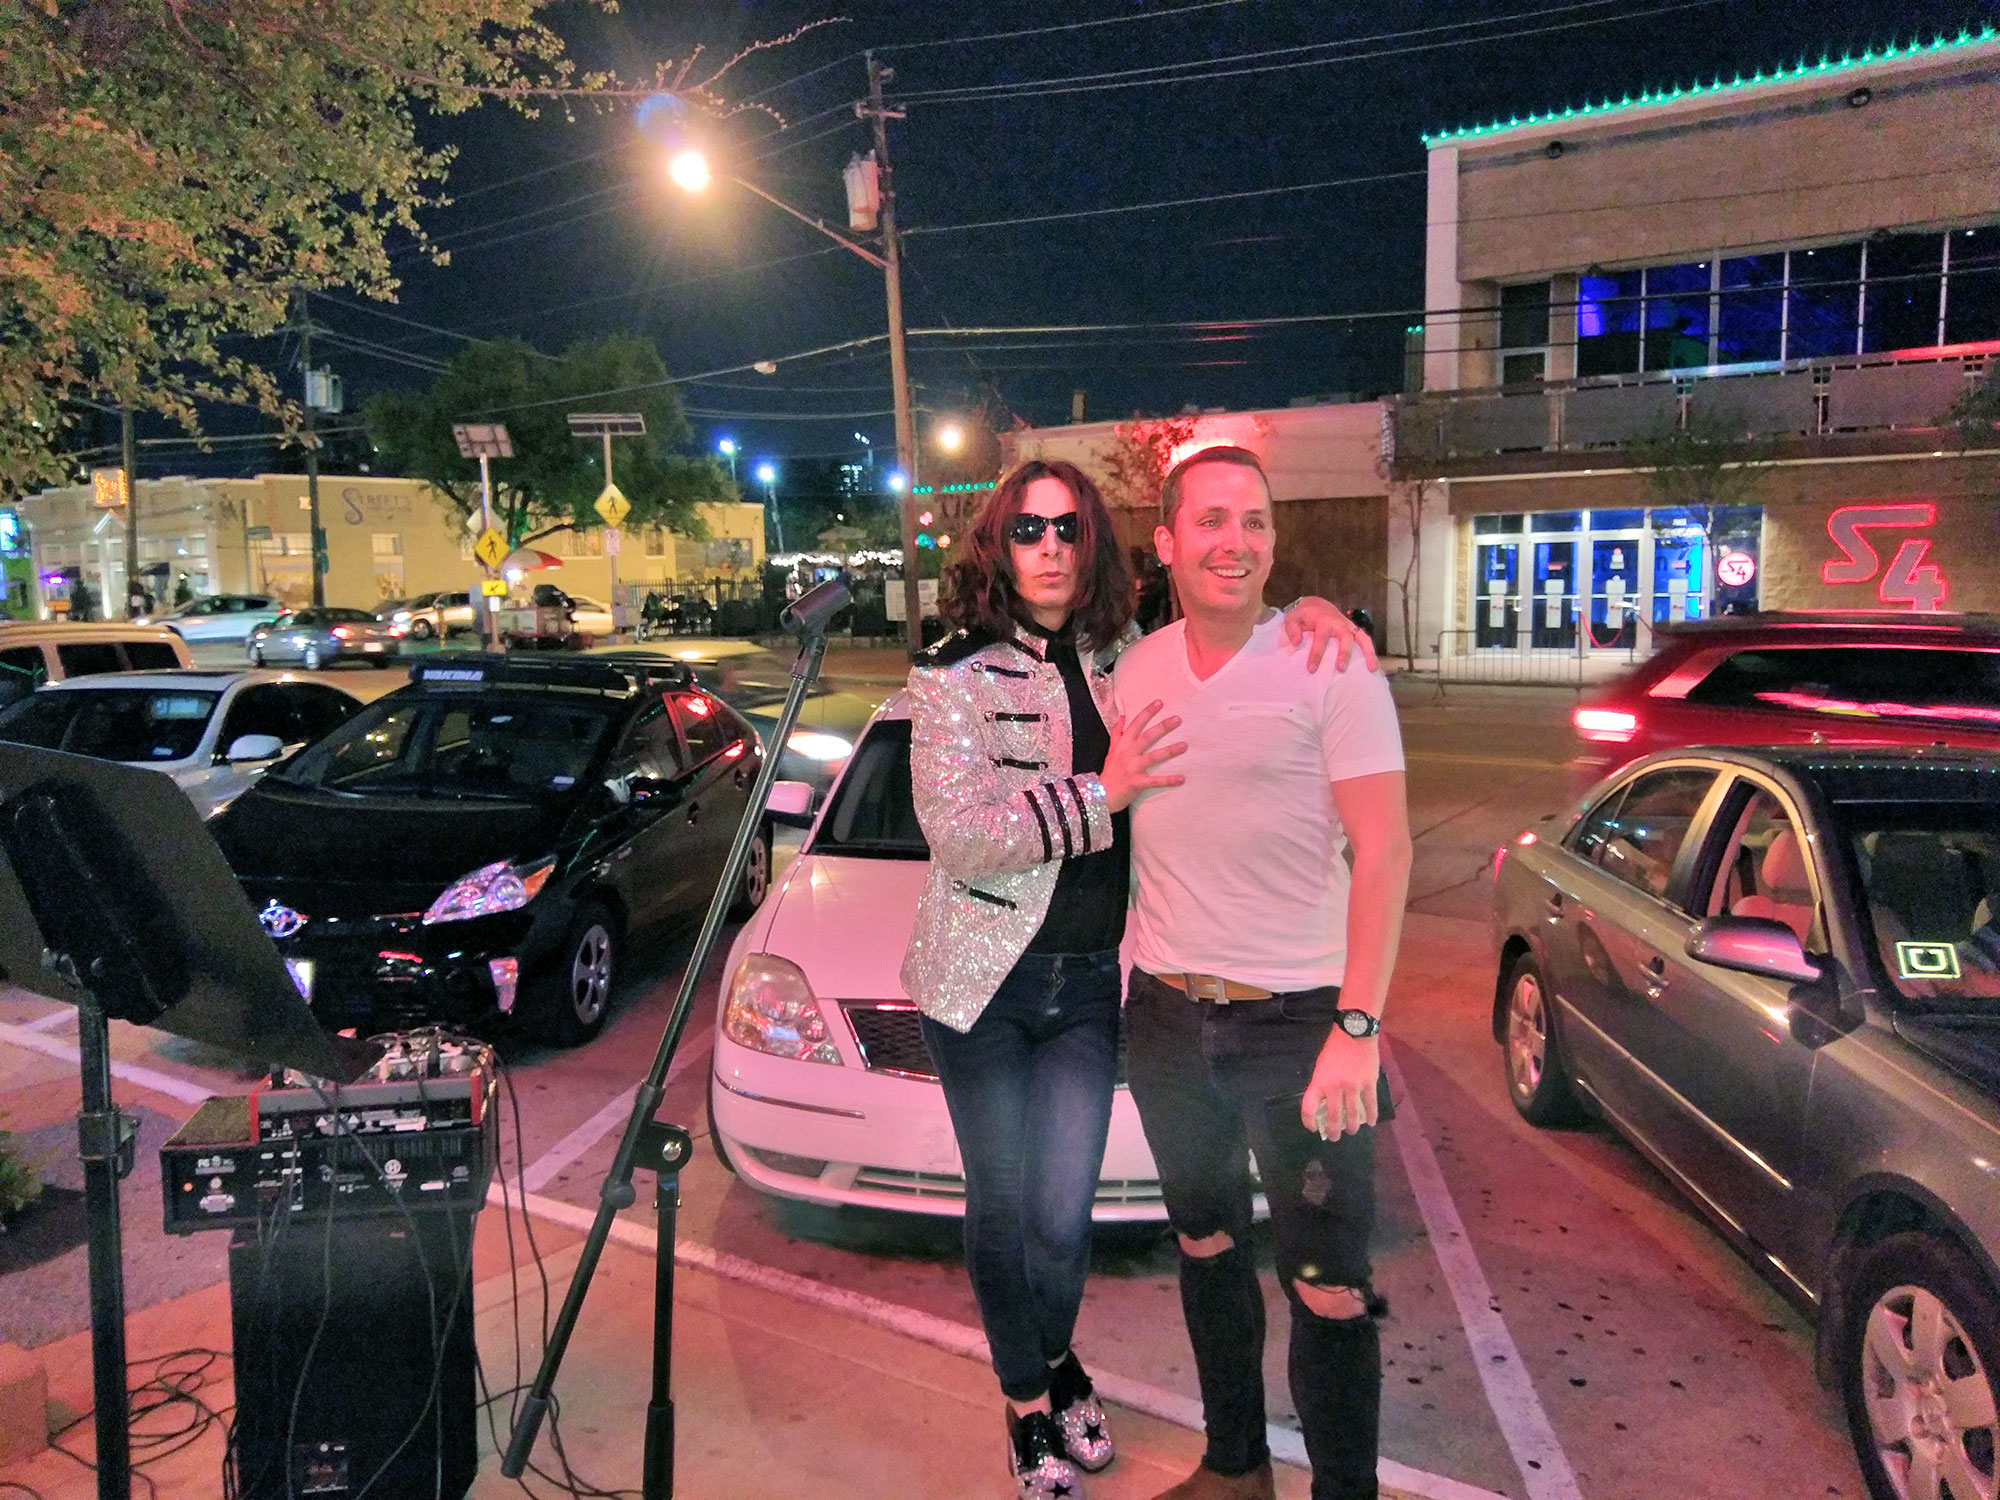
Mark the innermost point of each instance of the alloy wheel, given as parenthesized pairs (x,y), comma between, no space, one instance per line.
(757,871)
(1930,1399)
(1527,1034)
(590,975)
(312,658)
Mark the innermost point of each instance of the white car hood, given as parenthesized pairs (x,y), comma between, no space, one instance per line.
(846,922)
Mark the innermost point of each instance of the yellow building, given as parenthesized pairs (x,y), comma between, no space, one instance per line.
(385,539)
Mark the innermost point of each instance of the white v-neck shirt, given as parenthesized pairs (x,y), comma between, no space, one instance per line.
(1239,871)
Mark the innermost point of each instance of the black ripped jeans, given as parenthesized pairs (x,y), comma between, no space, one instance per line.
(1215,1084)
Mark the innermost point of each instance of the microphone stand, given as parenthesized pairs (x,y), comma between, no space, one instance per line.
(654,1145)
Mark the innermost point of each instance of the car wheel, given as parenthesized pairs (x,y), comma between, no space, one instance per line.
(575,993)
(312,658)
(257,656)
(715,1136)
(756,881)
(423,630)
(1537,1077)
(1919,1356)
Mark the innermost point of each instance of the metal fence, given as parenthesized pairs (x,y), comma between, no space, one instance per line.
(1458,658)
(750,607)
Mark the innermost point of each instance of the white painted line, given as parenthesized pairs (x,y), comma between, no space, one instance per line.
(1510,1392)
(571,1148)
(183,1089)
(957,1338)
(52,1020)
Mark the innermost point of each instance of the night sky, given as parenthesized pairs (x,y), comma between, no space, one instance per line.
(567,228)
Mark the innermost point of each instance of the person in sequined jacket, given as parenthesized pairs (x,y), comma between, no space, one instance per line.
(1020,781)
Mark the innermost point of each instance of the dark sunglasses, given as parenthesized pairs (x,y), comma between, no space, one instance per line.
(1026,530)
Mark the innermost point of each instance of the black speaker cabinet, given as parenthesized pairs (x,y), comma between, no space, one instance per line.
(354,1358)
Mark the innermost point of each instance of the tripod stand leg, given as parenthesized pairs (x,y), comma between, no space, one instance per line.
(98,1143)
(658,1480)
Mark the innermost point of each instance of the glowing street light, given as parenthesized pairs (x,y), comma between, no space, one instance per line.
(767,475)
(950,437)
(897,482)
(689,170)
(727,448)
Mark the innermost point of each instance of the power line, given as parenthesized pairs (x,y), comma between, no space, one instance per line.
(444,241)
(1008,36)
(1203,70)
(1136,208)
(792,416)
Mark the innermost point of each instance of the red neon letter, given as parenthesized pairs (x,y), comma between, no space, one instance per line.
(1858,561)
(1912,581)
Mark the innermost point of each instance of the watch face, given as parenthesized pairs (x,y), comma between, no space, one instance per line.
(1354,1023)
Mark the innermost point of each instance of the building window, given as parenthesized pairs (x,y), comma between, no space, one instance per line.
(1903,304)
(1607,322)
(1750,323)
(1524,333)
(1679,315)
(1972,286)
(656,541)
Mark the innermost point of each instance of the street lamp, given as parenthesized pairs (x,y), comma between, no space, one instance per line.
(950,437)
(727,448)
(767,475)
(871,205)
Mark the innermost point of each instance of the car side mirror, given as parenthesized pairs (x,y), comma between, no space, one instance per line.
(249,747)
(1752,945)
(791,803)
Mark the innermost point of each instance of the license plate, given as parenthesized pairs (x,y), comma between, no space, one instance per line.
(371,645)
(301,970)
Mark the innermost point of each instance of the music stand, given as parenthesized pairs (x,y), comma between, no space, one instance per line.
(114,899)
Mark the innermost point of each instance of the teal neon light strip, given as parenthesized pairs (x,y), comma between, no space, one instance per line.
(1846,62)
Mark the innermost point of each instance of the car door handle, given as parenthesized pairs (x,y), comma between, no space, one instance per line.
(694,812)
(1555,904)
(1656,977)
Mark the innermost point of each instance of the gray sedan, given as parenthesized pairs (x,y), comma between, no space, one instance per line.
(1777,973)
(322,637)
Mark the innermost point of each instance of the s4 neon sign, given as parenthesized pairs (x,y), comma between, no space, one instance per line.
(1909,581)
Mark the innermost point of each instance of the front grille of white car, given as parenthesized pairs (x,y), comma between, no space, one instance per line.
(1127,1192)
(891,1038)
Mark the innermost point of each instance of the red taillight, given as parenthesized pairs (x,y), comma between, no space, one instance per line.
(343,633)
(1611,725)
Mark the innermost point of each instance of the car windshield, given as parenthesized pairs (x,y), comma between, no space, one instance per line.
(871,813)
(142,724)
(1929,875)
(512,749)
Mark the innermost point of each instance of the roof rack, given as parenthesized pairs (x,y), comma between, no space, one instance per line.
(478,669)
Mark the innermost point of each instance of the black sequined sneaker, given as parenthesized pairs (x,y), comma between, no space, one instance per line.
(1042,1470)
(1085,1432)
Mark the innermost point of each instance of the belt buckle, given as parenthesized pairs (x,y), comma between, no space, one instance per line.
(1197,982)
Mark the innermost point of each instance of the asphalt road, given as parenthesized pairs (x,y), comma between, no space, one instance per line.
(1562,1323)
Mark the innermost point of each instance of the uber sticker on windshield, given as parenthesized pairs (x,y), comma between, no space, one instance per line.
(1926,961)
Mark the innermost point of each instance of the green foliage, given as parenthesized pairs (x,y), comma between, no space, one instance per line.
(554,479)
(19,1186)
(1140,455)
(1976,414)
(171,171)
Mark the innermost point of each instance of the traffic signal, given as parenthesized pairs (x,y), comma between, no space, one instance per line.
(927,528)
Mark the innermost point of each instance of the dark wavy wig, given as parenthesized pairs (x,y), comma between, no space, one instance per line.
(978,591)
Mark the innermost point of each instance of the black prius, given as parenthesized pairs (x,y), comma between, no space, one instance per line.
(484,841)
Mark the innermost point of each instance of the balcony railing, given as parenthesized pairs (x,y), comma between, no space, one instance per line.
(1909,391)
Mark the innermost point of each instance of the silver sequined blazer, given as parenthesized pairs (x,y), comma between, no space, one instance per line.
(989,756)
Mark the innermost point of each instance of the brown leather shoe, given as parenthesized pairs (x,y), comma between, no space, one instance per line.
(1205,1484)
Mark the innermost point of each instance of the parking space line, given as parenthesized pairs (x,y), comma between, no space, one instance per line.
(954,1338)
(51,1021)
(185,1090)
(545,1168)
(1510,1392)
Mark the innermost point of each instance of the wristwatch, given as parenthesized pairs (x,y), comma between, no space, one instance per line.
(1357,1023)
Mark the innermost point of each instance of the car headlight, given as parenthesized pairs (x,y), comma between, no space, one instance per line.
(770,1008)
(502,886)
(814,745)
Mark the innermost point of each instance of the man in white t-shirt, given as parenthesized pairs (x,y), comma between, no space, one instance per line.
(1260,966)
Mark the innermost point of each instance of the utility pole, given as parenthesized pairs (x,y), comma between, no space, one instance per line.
(312,455)
(129,457)
(899,367)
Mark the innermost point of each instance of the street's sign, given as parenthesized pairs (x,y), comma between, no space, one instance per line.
(613,506)
(490,547)
(613,540)
(493,588)
(607,423)
(482,439)
(110,487)
(256,533)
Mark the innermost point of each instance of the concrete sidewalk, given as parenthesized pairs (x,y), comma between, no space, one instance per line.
(778,1399)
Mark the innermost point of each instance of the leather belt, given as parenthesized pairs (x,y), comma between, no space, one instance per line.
(1212,987)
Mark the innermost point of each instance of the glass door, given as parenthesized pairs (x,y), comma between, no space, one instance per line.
(1553,606)
(1496,605)
(1679,577)
(1614,592)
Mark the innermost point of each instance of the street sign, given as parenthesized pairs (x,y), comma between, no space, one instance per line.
(613,506)
(612,542)
(490,547)
(256,533)
(607,423)
(110,487)
(482,439)
(493,588)
(1735,569)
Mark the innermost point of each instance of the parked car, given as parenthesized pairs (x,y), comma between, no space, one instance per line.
(53,651)
(1777,973)
(821,1088)
(214,732)
(318,638)
(1796,679)
(754,681)
(586,616)
(484,841)
(222,617)
(429,616)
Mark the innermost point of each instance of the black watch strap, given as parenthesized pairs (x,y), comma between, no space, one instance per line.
(1357,1023)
